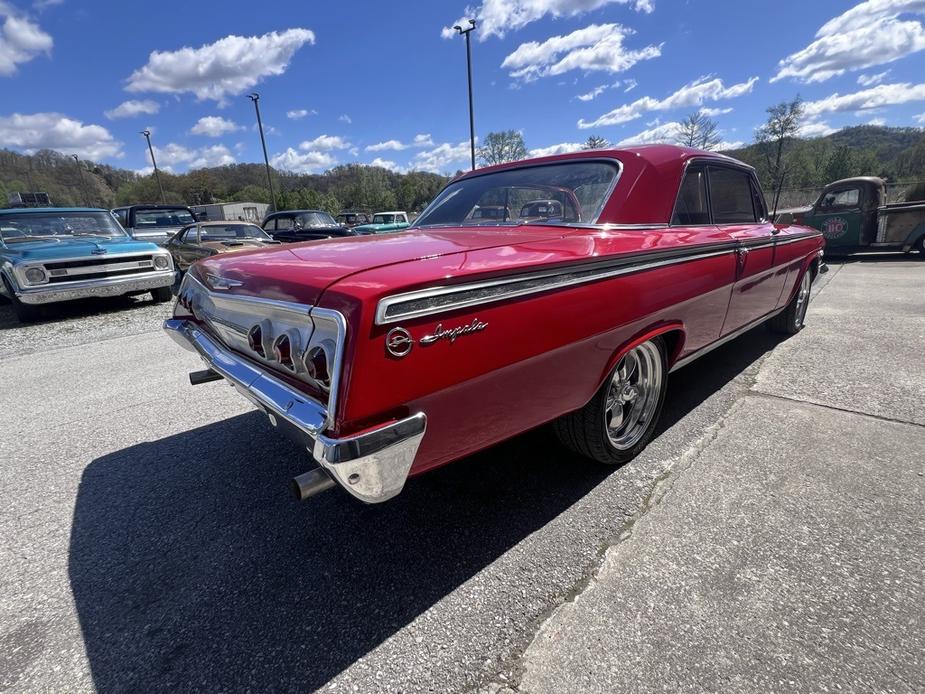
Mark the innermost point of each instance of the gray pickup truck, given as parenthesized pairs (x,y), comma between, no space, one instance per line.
(157,223)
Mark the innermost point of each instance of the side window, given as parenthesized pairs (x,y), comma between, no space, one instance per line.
(731,197)
(691,206)
(189,236)
(284,223)
(761,210)
(844,199)
(269,225)
(121,216)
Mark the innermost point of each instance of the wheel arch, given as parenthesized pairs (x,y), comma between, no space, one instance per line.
(673,335)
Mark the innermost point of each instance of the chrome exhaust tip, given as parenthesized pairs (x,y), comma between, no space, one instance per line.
(204,376)
(310,483)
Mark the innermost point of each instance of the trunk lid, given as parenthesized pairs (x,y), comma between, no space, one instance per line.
(301,272)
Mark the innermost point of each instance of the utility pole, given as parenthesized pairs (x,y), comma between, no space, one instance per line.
(466,32)
(157,176)
(80,173)
(255,97)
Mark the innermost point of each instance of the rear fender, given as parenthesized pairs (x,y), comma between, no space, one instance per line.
(913,237)
(674,344)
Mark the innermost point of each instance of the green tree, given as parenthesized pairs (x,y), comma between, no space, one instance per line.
(502,147)
(595,142)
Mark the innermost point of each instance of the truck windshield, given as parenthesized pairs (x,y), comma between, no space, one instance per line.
(162,218)
(563,193)
(384,219)
(31,226)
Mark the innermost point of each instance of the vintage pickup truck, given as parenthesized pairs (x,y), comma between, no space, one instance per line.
(58,254)
(384,222)
(853,216)
(387,356)
(155,223)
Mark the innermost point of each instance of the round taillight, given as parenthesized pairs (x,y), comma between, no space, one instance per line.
(282,349)
(255,340)
(316,365)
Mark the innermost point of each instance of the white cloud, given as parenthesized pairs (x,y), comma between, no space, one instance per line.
(214,126)
(497,17)
(726,146)
(667,132)
(596,47)
(815,128)
(324,143)
(561,148)
(387,164)
(173,155)
(133,107)
(713,112)
(920,118)
(630,85)
(35,131)
(690,95)
(876,97)
(21,40)
(442,158)
(877,121)
(302,162)
(593,94)
(230,66)
(871,80)
(869,34)
(421,140)
(299,113)
(344,118)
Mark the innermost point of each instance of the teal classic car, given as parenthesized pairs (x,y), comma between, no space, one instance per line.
(384,222)
(59,254)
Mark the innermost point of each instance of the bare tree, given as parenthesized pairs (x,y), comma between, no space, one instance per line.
(698,130)
(782,126)
(502,147)
(595,142)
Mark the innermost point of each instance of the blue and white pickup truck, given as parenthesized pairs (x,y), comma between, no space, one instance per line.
(59,254)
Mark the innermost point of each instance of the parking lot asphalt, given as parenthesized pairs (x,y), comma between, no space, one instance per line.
(149,541)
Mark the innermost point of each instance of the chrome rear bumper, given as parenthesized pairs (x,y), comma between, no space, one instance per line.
(82,289)
(372,466)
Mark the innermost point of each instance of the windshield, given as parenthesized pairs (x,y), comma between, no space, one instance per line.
(346,218)
(552,194)
(163,218)
(221,232)
(316,219)
(384,219)
(32,226)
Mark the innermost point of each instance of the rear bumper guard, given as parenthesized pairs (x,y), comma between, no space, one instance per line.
(372,466)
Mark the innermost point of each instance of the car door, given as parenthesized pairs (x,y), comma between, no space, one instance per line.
(737,208)
(837,215)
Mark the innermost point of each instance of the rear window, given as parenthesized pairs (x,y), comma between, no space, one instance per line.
(163,218)
(554,194)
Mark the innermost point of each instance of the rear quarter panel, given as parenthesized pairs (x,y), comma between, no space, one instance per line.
(540,356)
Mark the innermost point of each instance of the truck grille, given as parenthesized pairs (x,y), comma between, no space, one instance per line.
(98,268)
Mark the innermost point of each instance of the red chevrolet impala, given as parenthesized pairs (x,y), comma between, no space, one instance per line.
(594,275)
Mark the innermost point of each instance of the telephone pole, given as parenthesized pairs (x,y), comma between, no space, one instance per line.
(157,176)
(255,97)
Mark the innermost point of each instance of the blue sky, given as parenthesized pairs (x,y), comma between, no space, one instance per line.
(385,82)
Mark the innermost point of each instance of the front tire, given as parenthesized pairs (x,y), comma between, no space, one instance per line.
(161,294)
(25,313)
(790,321)
(618,422)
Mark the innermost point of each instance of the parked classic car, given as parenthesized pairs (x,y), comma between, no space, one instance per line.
(52,254)
(204,239)
(155,223)
(292,226)
(853,216)
(388,356)
(353,219)
(385,222)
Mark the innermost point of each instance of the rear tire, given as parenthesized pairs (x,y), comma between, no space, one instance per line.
(790,321)
(161,294)
(620,419)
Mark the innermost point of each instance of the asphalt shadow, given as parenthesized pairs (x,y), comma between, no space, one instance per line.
(70,310)
(192,568)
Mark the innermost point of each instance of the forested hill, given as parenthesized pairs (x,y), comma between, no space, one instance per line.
(897,154)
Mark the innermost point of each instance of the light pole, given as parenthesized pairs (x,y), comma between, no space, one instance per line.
(157,176)
(466,32)
(80,173)
(255,97)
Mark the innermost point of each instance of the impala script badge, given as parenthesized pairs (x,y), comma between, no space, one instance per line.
(398,342)
(441,333)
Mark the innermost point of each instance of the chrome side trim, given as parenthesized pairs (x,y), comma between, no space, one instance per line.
(795,239)
(724,339)
(441,299)
(372,465)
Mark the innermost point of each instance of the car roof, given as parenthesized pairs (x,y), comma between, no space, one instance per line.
(53,210)
(392,212)
(152,206)
(282,212)
(222,222)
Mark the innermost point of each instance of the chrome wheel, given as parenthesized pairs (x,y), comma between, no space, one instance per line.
(802,299)
(633,395)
